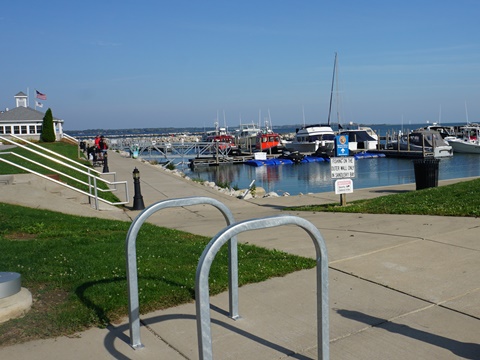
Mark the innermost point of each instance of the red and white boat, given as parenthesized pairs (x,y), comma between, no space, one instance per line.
(268,141)
(226,142)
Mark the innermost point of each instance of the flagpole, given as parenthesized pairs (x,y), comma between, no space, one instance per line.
(28,96)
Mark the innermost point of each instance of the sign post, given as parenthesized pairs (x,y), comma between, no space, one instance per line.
(343,169)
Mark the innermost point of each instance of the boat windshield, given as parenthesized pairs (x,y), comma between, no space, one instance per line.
(427,138)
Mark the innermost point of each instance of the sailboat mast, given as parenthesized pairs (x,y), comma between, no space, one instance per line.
(466,111)
(303,113)
(331,91)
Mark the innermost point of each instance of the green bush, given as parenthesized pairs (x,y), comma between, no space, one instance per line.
(48,132)
(223,184)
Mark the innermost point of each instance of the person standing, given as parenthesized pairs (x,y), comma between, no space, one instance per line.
(102,146)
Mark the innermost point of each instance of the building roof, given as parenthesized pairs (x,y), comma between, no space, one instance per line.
(23,114)
(21,93)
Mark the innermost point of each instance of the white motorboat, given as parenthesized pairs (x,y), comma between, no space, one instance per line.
(313,139)
(246,135)
(423,140)
(361,139)
(468,142)
(445,131)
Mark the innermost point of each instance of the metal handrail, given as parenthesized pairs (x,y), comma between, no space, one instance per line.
(67,159)
(95,196)
(176,149)
(91,187)
(87,168)
(59,172)
(71,138)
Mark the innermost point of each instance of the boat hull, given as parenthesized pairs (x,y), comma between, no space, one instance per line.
(438,152)
(465,147)
(307,147)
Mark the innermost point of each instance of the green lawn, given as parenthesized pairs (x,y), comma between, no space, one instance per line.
(460,199)
(75,269)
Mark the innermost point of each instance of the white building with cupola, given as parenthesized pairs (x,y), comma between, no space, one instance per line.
(24,121)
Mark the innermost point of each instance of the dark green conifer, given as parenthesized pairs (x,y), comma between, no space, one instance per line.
(48,132)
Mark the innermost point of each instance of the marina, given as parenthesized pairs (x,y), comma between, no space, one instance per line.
(207,161)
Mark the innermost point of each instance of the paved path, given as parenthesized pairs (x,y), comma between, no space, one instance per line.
(401,286)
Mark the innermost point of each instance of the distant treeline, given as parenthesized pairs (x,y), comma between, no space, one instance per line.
(173,130)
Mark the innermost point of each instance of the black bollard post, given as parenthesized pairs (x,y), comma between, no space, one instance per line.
(137,197)
(105,162)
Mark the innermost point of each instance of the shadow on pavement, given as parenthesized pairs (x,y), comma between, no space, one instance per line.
(461,349)
(118,333)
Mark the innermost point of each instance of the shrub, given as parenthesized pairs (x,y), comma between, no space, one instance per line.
(48,132)
(253,190)
(223,184)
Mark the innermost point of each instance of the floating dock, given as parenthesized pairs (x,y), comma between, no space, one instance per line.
(248,159)
(307,159)
(404,154)
(219,161)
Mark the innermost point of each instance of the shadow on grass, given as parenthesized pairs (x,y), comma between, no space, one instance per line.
(100,311)
(391,191)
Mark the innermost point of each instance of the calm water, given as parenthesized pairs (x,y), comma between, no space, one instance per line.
(316,177)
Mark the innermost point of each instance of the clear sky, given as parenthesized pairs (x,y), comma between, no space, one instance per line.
(133,64)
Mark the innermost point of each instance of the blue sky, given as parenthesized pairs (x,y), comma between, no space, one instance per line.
(129,64)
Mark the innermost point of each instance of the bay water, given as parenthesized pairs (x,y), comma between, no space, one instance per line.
(315,177)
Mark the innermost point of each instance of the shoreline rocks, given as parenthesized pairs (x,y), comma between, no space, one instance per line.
(257,192)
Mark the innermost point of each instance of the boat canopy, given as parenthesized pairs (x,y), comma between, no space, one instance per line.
(357,136)
(428,137)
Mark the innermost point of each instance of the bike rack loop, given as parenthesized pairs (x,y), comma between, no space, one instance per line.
(132,274)
(202,302)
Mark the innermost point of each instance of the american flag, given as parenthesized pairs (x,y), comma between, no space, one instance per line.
(40,95)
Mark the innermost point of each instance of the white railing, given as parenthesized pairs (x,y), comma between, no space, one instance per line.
(174,150)
(92,175)
(71,138)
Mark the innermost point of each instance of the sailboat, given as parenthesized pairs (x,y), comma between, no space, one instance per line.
(318,138)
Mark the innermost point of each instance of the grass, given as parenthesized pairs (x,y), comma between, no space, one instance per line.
(69,150)
(75,268)
(460,199)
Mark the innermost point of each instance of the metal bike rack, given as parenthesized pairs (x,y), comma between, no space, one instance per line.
(202,303)
(132,274)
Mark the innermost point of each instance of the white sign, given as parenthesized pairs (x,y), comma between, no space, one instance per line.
(260,156)
(342,167)
(344,186)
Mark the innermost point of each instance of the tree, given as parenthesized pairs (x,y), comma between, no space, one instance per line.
(48,132)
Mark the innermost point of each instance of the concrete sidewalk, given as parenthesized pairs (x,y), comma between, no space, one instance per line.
(401,287)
